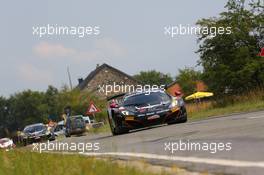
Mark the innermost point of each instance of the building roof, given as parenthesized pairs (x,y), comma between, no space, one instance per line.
(84,83)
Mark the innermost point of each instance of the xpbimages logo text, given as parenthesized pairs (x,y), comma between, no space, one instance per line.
(173,31)
(188,145)
(79,31)
(80,147)
(128,88)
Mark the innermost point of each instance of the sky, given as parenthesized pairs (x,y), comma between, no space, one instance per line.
(131,39)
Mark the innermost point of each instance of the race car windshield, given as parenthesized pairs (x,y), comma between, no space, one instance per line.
(2,141)
(144,99)
(34,129)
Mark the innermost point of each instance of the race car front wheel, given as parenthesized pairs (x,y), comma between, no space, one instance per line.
(117,129)
(182,119)
(120,130)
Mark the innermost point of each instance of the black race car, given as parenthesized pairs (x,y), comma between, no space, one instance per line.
(36,132)
(138,110)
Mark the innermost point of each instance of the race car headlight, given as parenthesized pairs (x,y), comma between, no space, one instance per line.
(177,103)
(174,103)
(180,102)
(125,112)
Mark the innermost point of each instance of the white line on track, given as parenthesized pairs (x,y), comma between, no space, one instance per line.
(220,162)
(261,116)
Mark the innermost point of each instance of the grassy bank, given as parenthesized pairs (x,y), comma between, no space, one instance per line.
(251,101)
(28,163)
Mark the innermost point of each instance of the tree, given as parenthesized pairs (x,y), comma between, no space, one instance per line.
(230,61)
(187,79)
(51,99)
(4,113)
(27,107)
(201,86)
(79,102)
(153,78)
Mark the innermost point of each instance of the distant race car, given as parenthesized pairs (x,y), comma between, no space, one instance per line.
(78,126)
(138,110)
(59,129)
(6,143)
(36,132)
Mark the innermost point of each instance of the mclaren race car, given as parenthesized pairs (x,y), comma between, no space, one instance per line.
(143,109)
(36,132)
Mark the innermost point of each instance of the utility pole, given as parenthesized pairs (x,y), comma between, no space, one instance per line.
(69,76)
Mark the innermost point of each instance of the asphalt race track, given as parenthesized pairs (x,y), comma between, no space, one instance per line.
(244,132)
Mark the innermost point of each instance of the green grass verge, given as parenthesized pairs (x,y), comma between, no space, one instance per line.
(29,163)
(245,106)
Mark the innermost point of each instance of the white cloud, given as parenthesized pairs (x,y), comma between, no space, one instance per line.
(31,74)
(101,48)
(46,49)
(110,47)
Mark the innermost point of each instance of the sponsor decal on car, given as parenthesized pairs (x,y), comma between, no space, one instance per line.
(153,117)
(129,118)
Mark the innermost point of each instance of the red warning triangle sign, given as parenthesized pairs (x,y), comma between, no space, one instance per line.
(261,52)
(92,109)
